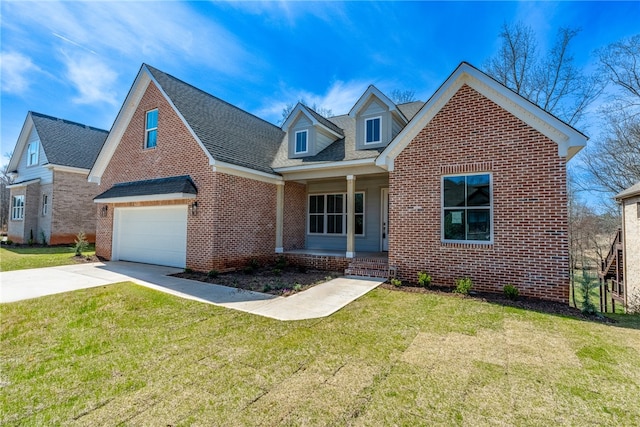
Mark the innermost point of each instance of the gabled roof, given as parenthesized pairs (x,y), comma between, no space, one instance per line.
(176,186)
(632,191)
(65,143)
(569,140)
(315,118)
(226,133)
(373,91)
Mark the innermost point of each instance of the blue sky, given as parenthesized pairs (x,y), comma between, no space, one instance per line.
(77,60)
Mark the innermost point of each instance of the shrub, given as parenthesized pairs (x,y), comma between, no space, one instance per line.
(81,243)
(188,270)
(276,271)
(254,263)
(8,242)
(267,288)
(396,282)
(463,286)
(212,274)
(247,270)
(511,292)
(302,268)
(281,262)
(424,279)
(297,287)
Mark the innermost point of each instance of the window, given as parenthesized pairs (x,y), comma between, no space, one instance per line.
(17,208)
(466,210)
(45,204)
(328,213)
(372,130)
(151,129)
(32,153)
(301,142)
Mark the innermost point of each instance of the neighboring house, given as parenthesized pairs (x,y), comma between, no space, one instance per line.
(470,183)
(622,266)
(51,198)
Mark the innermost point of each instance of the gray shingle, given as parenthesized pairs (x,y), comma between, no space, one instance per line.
(68,143)
(175,184)
(325,122)
(230,134)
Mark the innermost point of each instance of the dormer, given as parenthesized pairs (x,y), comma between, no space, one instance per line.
(308,133)
(378,119)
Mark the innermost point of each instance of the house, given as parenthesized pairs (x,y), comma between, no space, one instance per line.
(51,199)
(470,183)
(622,264)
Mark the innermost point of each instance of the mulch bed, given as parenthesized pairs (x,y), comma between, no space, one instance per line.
(532,304)
(83,259)
(267,279)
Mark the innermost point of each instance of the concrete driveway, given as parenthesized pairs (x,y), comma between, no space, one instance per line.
(320,301)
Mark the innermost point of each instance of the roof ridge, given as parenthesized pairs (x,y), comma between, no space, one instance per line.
(152,68)
(324,120)
(69,122)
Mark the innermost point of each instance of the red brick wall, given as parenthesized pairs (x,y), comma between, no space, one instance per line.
(530,248)
(295,215)
(236,216)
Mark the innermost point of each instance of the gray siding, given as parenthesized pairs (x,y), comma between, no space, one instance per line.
(371,240)
(27,173)
(374,108)
(301,123)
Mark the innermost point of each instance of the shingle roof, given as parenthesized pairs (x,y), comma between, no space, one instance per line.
(325,122)
(68,143)
(629,192)
(175,184)
(230,134)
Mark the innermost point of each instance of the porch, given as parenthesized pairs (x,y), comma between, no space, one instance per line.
(364,264)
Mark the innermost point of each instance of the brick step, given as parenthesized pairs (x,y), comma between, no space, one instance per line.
(363,272)
(370,267)
(375,264)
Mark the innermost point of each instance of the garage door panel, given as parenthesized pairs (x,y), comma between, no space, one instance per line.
(155,235)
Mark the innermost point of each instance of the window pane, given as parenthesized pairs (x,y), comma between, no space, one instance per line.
(453,191)
(301,142)
(359,229)
(335,203)
(479,224)
(152,119)
(334,224)
(454,221)
(359,202)
(478,190)
(152,137)
(373,130)
(316,224)
(316,204)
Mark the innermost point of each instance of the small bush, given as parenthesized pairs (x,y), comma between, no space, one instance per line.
(212,274)
(302,268)
(247,270)
(276,271)
(281,262)
(8,242)
(254,263)
(297,287)
(511,292)
(267,288)
(424,279)
(463,286)
(81,243)
(396,282)
(188,270)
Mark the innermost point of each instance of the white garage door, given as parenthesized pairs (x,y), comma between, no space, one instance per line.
(154,235)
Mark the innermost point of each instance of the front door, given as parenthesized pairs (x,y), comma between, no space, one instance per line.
(385,219)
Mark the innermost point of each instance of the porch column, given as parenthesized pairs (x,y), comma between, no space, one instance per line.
(351,217)
(279,216)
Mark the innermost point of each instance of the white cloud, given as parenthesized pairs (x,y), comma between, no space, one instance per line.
(93,79)
(16,69)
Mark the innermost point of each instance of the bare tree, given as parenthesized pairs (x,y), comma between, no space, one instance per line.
(403,96)
(612,161)
(324,112)
(551,80)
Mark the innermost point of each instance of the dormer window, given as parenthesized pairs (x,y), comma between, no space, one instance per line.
(32,153)
(151,129)
(301,142)
(372,130)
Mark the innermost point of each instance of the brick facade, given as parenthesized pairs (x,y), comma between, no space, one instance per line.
(530,247)
(72,207)
(236,215)
(295,216)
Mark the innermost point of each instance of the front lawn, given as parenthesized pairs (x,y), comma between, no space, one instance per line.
(22,257)
(124,354)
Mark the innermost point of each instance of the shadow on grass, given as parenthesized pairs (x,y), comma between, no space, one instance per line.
(44,250)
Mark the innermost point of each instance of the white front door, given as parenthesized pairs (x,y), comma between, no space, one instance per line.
(385,219)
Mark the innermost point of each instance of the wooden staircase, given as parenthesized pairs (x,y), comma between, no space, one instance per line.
(370,267)
(611,270)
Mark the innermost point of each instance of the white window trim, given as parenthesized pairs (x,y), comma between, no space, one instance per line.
(344,214)
(148,130)
(36,145)
(490,208)
(45,204)
(365,131)
(295,142)
(17,212)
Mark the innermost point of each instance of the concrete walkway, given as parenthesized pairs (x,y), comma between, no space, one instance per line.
(320,301)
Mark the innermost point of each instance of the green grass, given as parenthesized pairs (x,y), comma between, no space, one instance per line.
(22,257)
(128,355)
